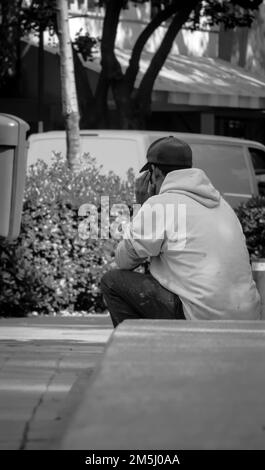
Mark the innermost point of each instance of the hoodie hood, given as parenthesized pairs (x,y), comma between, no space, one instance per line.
(194,183)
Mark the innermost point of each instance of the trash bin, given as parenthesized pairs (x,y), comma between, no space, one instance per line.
(13,160)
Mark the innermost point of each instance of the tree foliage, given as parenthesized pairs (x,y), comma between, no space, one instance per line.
(39,14)
(230,13)
(17,19)
(10,33)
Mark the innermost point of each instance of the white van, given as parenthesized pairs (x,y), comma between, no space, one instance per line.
(236,167)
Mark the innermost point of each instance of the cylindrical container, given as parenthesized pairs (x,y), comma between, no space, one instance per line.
(13,164)
(258,270)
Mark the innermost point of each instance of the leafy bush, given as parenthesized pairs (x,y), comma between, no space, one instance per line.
(49,267)
(252,217)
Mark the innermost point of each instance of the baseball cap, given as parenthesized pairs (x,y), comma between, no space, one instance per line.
(169,151)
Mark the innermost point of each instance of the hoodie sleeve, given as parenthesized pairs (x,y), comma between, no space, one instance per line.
(143,238)
(126,256)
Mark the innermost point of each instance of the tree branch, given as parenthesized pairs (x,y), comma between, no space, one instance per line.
(133,68)
(143,94)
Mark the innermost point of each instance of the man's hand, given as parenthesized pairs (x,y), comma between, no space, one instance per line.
(143,188)
(113,265)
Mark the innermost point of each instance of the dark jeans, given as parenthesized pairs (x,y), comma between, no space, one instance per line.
(131,295)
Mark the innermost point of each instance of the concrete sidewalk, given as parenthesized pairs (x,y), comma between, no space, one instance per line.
(42,359)
(171,385)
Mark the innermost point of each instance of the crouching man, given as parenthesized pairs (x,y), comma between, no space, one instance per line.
(199,263)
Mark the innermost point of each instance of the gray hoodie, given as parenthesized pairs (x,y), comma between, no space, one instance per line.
(196,247)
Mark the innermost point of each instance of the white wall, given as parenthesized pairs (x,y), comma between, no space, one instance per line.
(133,21)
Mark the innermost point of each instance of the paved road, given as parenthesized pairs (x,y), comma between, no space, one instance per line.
(41,361)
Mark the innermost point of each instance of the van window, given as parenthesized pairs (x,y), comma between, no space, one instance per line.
(225,165)
(258,160)
(114,154)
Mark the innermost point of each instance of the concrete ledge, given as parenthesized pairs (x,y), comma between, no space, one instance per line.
(175,385)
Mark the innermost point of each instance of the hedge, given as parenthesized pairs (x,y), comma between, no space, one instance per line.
(49,268)
(252,217)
